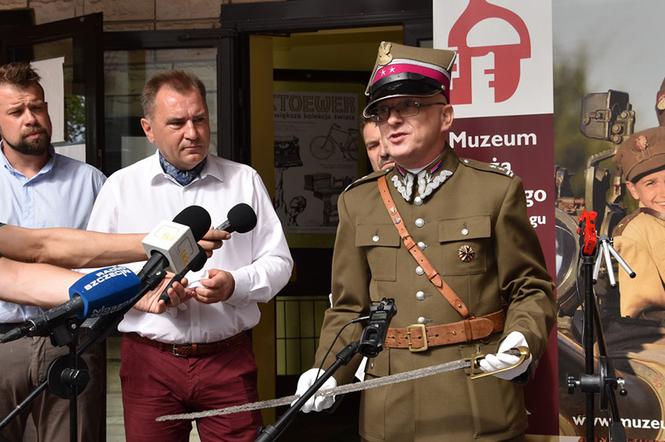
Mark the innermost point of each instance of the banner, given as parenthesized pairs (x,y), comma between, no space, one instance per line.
(502,95)
(316,157)
(589,40)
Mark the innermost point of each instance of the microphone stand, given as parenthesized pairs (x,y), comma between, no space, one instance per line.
(272,432)
(68,375)
(370,344)
(605,382)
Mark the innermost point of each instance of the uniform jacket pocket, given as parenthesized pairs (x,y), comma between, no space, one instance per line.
(465,244)
(381,242)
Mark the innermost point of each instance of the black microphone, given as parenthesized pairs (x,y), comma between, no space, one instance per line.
(374,335)
(241,218)
(196,218)
(194,265)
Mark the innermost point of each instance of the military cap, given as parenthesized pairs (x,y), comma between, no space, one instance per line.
(642,153)
(409,71)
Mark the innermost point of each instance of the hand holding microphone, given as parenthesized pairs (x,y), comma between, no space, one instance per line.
(219,285)
(99,293)
(113,290)
(194,265)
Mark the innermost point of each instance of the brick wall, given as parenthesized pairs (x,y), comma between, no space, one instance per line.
(131,15)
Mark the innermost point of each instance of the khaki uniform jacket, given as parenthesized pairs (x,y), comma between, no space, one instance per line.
(640,240)
(476,206)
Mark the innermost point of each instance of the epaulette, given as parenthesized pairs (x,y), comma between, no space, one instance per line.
(486,167)
(369,177)
(618,230)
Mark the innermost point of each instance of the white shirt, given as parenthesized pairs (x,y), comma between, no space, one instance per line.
(135,199)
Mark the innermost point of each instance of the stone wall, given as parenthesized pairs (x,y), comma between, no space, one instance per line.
(131,15)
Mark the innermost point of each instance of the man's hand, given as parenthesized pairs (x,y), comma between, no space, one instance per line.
(218,287)
(151,303)
(213,240)
(305,381)
(502,360)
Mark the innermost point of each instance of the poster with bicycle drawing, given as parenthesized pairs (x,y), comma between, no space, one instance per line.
(316,151)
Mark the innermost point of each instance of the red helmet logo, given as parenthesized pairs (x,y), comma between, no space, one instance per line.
(505,75)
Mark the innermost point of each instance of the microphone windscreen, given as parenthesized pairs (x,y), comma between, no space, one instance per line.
(199,260)
(242,218)
(196,218)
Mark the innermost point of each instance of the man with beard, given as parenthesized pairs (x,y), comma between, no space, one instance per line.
(40,188)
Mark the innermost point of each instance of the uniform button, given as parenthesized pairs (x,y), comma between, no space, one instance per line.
(422,319)
(420,222)
(422,245)
(375,238)
(420,295)
(464,231)
(419,271)
(418,201)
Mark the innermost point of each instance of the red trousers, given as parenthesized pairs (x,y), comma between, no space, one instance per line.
(157,383)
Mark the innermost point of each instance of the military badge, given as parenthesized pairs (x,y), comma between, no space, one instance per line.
(466,253)
(641,143)
(660,102)
(384,53)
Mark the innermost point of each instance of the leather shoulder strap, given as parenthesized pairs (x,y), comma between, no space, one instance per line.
(434,277)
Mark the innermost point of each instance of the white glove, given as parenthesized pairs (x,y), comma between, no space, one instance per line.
(502,360)
(305,381)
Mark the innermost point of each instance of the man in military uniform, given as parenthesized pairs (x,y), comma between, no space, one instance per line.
(640,237)
(484,287)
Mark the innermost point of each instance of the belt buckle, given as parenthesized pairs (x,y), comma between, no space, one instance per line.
(424,334)
(181,351)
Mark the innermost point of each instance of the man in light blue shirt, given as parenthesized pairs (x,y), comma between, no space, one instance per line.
(39,188)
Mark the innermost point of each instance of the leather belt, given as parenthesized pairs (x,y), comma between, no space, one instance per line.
(419,337)
(192,350)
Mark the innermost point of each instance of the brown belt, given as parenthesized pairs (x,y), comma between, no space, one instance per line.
(192,350)
(419,337)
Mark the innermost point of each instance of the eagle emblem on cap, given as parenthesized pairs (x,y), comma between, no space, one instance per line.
(641,143)
(384,53)
(660,101)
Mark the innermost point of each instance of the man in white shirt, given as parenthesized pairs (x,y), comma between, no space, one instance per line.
(200,357)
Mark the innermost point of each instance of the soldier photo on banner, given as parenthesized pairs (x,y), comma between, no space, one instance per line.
(609,159)
(317,141)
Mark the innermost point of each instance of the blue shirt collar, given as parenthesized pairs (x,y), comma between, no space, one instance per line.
(7,166)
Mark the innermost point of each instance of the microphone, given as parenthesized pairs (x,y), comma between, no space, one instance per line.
(241,218)
(374,335)
(172,244)
(195,265)
(98,293)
